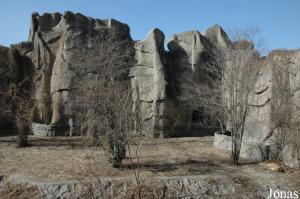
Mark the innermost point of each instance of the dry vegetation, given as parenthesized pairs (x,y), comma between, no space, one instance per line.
(65,158)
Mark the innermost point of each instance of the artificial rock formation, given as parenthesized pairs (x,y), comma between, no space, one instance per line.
(65,52)
(193,58)
(149,82)
(274,109)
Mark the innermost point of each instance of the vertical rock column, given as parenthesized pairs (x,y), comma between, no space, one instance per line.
(149,83)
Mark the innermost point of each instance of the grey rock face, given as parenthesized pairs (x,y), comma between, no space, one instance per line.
(267,109)
(217,36)
(192,58)
(149,82)
(161,77)
(65,53)
(63,49)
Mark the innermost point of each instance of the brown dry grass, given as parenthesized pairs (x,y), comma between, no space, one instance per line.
(16,191)
(65,158)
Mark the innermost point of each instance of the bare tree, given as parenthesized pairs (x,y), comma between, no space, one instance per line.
(240,74)
(285,127)
(252,34)
(226,95)
(107,105)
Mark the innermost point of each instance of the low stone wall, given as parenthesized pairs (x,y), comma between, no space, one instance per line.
(200,186)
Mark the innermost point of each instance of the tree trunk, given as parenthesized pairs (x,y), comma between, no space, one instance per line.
(22,130)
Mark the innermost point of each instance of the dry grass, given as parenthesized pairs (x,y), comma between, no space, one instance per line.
(15,191)
(65,158)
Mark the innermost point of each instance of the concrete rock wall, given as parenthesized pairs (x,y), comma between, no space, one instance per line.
(149,82)
(65,51)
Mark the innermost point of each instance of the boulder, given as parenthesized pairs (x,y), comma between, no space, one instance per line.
(222,141)
(42,130)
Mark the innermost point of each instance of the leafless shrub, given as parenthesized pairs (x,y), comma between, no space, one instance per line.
(108,116)
(240,74)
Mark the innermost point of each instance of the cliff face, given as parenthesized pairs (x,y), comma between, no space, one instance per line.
(193,58)
(65,51)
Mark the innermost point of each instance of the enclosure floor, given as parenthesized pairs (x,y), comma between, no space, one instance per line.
(66,158)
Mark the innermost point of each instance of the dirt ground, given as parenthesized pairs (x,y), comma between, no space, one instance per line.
(66,158)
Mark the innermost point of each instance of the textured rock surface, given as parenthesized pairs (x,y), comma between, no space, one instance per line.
(42,129)
(65,53)
(200,186)
(149,82)
(222,141)
(192,58)
(217,36)
(258,144)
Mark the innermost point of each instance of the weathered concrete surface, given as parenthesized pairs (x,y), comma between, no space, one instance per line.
(66,50)
(193,59)
(222,141)
(217,36)
(42,129)
(149,82)
(278,81)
